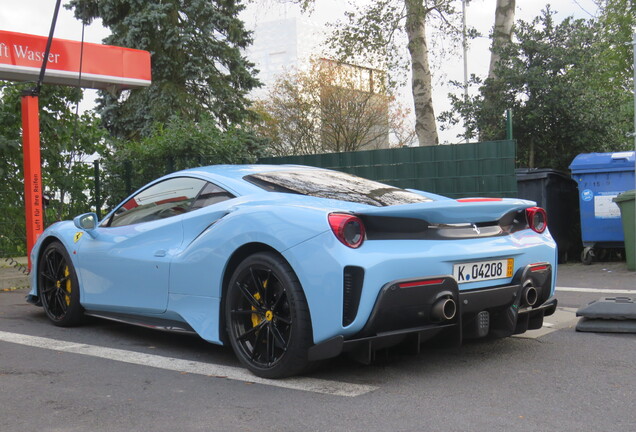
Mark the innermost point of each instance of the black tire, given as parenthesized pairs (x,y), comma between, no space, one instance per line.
(58,288)
(587,256)
(267,317)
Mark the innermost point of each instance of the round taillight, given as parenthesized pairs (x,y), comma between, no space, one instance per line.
(537,219)
(347,228)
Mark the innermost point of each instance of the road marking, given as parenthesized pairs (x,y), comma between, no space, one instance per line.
(335,388)
(562,318)
(595,290)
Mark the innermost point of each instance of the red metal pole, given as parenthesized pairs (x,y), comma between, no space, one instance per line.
(32,171)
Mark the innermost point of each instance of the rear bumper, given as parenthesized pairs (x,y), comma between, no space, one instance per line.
(406,312)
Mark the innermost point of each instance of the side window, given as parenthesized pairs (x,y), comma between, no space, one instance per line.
(171,197)
(211,194)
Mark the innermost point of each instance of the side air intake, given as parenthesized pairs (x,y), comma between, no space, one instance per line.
(352,289)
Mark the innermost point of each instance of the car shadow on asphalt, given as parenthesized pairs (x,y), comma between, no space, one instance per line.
(394,362)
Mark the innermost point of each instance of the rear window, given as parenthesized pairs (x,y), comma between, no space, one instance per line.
(334,185)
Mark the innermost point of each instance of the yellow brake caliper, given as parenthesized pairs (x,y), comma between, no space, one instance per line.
(256,319)
(67,297)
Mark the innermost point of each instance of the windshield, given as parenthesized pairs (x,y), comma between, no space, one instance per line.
(334,185)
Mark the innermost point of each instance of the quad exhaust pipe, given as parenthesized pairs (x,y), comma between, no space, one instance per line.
(529,295)
(444,309)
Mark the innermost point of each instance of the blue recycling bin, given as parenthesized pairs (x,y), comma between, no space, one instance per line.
(600,178)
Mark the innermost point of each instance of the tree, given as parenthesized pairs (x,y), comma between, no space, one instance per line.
(67,144)
(331,107)
(567,97)
(502,32)
(197,64)
(179,144)
(372,35)
(617,24)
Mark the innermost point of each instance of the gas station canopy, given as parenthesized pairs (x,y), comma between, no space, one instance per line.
(103,66)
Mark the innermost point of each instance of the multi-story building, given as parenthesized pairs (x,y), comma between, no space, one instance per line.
(285,41)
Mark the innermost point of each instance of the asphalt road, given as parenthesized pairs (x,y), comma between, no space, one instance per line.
(107,376)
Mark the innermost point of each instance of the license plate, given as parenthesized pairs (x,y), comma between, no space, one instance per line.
(483,270)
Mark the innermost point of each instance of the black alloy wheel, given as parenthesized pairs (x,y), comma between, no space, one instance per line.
(58,287)
(267,317)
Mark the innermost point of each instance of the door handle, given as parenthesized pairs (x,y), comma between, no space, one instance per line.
(160,253)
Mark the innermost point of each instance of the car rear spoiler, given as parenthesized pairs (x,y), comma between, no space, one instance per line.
(470,210)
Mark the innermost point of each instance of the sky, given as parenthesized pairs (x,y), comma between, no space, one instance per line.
(34,17)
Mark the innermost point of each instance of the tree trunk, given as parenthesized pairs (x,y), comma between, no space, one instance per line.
(425,126)
(531,155)
(502,33)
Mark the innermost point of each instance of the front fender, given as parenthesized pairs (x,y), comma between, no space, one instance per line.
(63,232)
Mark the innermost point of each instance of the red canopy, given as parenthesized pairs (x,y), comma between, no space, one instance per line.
(103,66)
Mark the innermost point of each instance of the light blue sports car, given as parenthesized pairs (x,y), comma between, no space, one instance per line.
(293,264)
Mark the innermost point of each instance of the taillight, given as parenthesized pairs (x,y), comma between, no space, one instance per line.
(537,219)
(538,267)
(348,228)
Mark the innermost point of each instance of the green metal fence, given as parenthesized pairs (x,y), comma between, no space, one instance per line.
(460,170)
(475,169)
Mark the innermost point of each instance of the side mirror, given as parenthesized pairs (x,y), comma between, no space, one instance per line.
(86,222)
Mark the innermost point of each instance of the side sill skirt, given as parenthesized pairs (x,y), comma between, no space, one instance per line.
(144,321)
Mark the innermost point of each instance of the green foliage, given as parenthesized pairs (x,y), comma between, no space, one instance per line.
(567,84)
(375,33)
(67,142)
(616,25)
(197,65)
(178,145)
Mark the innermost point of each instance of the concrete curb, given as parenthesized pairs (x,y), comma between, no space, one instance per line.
(7,262)
(14,274)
